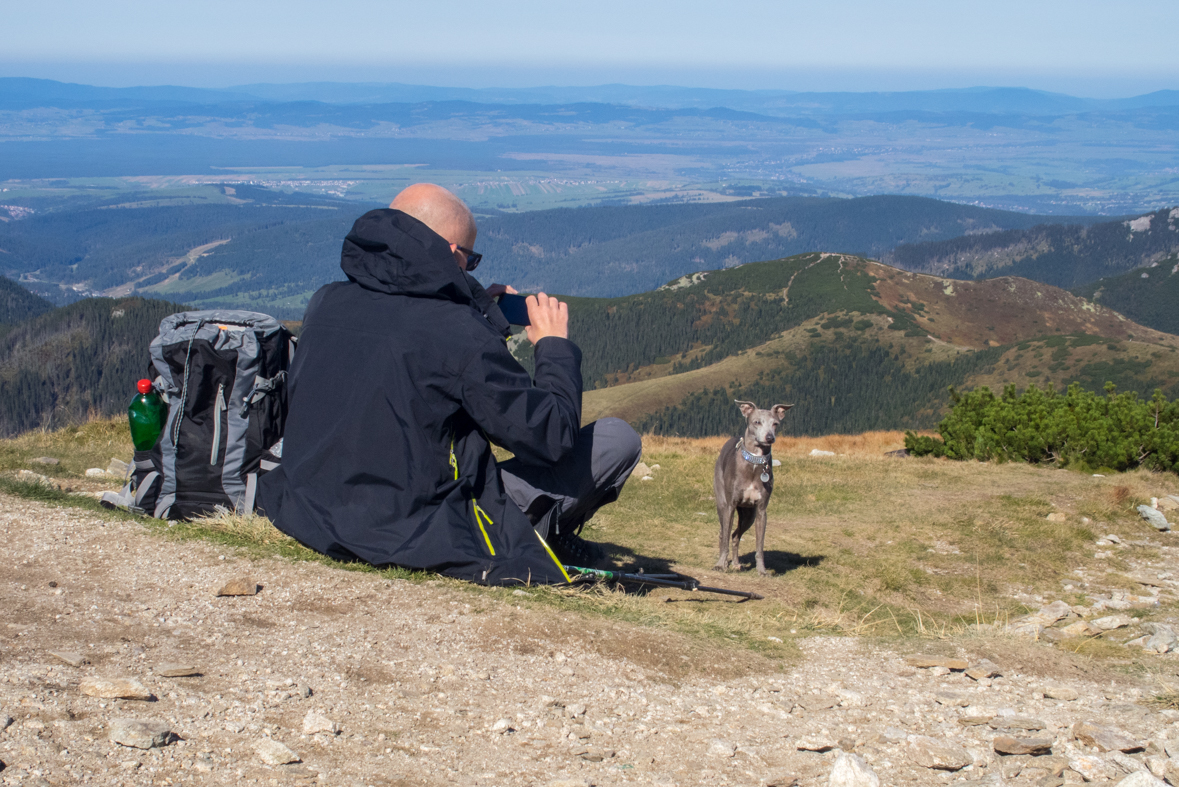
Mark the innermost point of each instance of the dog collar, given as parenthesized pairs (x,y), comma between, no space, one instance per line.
(750,458)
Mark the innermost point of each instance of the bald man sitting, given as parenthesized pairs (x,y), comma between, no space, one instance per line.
(402,381)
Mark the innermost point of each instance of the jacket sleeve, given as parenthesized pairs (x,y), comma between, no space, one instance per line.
(536,422)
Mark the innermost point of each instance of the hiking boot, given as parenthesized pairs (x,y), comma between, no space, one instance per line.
(573,550)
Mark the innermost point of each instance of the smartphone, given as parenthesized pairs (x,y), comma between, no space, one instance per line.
(514,308)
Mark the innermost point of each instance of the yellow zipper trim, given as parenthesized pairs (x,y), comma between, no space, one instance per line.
(554,557)
(480,514)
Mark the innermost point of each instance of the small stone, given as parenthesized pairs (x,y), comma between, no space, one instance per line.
(114,689)
(938,754)
(46,460)
(1056,516)
(851,771)
(69,657)
(1111,622)
(779,780)
(1157,519)
(641,469)
(575,709)
(926,662)
(5,721)
(272,752)
(1060,693)
(818,702)
(177,671)
(1162,639)
(984,669)
(502,726)
(817,452)
(851,699)
(814,744)
(1091,768)
(1016,723)
(95,472)
(146,734)
(119,468)
(1006,744)
(1141,779)
(1105,738)
(242,586)
(719,748)
(314,723)
(951,699)
(974,721)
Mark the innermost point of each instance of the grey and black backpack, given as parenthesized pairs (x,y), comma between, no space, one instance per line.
(223,376)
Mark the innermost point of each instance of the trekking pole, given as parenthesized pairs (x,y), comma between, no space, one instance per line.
(659,580)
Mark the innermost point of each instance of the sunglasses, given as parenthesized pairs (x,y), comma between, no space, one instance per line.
(473,258)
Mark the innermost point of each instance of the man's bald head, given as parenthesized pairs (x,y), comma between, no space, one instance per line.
(439,210)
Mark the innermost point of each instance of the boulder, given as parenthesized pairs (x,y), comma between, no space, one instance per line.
(1156,518)
(146,734)
(1105,738)
(851,771)
(938,753)
(1162,639)
(114,689)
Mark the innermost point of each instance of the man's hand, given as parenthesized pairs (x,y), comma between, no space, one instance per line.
(497,290)
(549,317)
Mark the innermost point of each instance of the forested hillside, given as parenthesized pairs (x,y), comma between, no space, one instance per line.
(82,359)
(1148,295)
(1061,255)
(18,304)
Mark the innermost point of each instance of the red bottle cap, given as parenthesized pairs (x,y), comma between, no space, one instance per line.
(144,386)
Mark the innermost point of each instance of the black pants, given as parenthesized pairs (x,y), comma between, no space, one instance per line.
(589,477)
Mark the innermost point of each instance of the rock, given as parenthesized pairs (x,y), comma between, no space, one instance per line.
(983,669)
(314,723)
(779,780)
(69,657)
(1080,629)
(939,671)
(242,586)
(1056,516)
(177,671)
(146,734)
(814,744)
(1141,779)
(818,702)
(114,689)
(1162,640)
(1050,613)
(851,699)
(1005,744)
(502,726)
(29,477)
(1111,622)
(5,721)
(925,662)
(272,752)
(647,478)
(938,754)
(900,453)
(95,472)
(851,771)
(951,699)
(1016,723)
(1157,519)
(1060,693)
(773,463)
(1166,503)
(575,709)
(974,721)
(1105,738)
(817,452)
(1127,763)
(641,469)
(46,460)
(1091,768)
(719,748)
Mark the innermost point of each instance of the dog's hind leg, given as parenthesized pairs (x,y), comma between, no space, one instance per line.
(761,540)
(744,521)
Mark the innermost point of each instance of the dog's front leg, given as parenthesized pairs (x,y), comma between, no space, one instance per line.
(724,511)
(761,539)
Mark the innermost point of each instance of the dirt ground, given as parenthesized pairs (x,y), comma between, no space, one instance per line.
(430,684)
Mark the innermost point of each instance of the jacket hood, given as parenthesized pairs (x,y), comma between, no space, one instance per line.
(392,252)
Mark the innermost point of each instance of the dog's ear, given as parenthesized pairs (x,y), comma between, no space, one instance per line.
(745,407)
(779,410)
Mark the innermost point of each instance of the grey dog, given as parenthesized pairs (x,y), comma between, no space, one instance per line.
(744,480)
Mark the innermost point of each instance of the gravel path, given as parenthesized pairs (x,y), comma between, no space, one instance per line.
(368,681)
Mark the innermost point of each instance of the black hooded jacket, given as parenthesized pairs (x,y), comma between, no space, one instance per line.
(401,378)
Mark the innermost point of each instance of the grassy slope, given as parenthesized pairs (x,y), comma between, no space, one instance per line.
(857,543)
(1147,295)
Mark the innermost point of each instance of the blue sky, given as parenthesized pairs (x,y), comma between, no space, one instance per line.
(1081,47)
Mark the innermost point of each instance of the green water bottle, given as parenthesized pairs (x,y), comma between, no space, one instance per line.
(147,413)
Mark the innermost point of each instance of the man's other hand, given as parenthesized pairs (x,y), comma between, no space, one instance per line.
(497,290)
(549,317)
